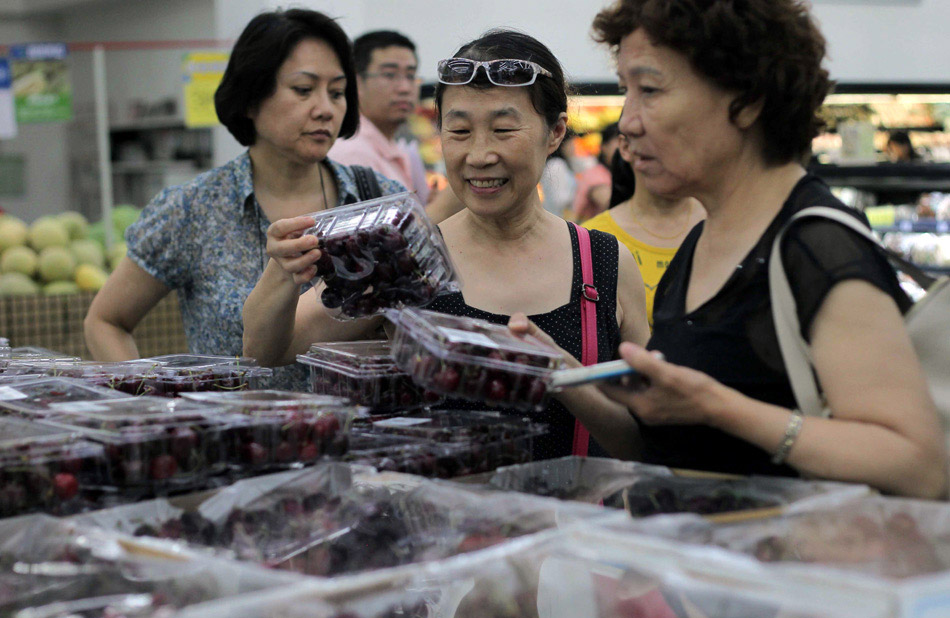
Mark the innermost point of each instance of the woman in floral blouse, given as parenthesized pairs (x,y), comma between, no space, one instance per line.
(288,93)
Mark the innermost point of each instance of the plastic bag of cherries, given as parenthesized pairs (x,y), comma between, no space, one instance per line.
(473,359)
(379,254)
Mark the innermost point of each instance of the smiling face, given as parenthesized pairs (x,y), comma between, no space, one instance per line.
(302,118)
(676,122)
(495,146)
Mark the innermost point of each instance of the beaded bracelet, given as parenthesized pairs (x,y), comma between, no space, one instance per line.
(791,434)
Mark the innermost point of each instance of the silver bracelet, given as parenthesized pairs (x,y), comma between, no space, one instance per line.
(792,430)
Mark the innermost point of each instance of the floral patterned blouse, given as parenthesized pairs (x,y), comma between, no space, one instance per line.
(206,240)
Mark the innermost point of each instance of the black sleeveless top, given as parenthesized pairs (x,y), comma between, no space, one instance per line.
(564,326)
(731,337)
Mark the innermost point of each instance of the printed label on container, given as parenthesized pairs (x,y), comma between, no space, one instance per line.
(8,393)
(463,336)
(78,406)
(402,421)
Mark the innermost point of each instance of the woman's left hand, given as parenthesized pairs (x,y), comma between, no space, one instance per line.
(675,395)
(520,325)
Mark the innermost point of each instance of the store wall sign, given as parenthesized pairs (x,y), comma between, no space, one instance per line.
(41,88)
(202,73)
(7,108)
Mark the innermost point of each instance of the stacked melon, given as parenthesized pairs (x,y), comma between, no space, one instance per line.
(58,254)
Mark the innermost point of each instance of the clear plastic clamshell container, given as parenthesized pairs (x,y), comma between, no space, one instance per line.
(8,354)
(378,254)
(283,429)
(473,359)
(155,443)
(108,375)
(364,372)
(174,374)
(46,469)
(46,396)
(416,455)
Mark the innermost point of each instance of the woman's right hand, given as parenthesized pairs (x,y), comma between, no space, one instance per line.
(295,252)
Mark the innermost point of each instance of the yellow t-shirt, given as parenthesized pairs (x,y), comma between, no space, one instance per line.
(652,260)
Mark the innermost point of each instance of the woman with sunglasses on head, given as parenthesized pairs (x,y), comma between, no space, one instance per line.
(721,104)
(288,92)
(502,107)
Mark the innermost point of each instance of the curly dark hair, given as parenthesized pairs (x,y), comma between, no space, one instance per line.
(266,42)
(763,50)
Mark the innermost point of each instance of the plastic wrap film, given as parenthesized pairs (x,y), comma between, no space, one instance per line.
(325,521)
(645,490)
(51,567)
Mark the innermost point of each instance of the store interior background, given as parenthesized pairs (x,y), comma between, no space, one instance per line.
(871,42)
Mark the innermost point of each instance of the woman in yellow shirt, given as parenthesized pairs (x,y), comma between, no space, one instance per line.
(650,226)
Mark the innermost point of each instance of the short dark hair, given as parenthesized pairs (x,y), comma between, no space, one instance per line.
(764,50)
(548,94)
(264,45)
(366,44)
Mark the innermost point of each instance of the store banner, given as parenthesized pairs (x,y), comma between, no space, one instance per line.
(201,74)
(41,87)
(7,110)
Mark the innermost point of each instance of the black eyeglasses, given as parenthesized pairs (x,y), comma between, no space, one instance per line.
(505,72)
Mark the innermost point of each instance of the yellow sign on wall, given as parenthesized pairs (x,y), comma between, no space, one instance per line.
(202,73)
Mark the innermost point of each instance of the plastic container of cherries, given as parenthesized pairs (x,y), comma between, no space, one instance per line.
(473,359)
(153,443)
(45,468)
(365,373)
(379,254)
(275,430)
(46,396)
(174,374)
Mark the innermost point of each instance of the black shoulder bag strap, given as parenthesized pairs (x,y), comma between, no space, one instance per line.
(366,183)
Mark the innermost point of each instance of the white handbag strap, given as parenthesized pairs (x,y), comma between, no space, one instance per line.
(794,348)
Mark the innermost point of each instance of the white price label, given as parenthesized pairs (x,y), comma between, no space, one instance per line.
(463,336)
(8,393)
(943,227)
(402,421)
(78,406)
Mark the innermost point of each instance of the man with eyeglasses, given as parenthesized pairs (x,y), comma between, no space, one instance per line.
(386,66)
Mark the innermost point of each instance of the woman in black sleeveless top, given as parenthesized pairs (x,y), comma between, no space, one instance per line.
(564,327)
(513,257)
(718,110)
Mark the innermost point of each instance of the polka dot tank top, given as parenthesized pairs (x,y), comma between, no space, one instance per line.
(564,326)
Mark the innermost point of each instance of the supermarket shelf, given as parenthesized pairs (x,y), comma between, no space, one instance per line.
(924,226)
(883,176)
(149,123)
